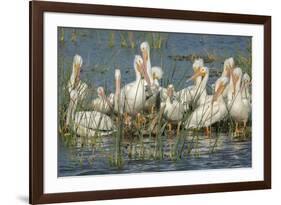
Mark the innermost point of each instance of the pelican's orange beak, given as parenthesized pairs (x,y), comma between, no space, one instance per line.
(145,55)
(234,80)
(117,83)
(218,92)
(145,58)
(198,72)
(170,92)
(154,76)
(77,68)
(143,71)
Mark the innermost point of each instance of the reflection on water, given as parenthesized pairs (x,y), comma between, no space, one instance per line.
(92,160)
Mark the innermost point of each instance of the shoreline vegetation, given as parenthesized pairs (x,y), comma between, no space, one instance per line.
(144,136)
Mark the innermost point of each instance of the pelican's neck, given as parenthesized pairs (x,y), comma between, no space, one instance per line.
(117,86)
(74,78)
(238,88)
(198,81)
(103,99)
(205,80)
(245,90)
(138,75)
(71,110)
(169,101)
(203,83)
(156,83)
(222,104)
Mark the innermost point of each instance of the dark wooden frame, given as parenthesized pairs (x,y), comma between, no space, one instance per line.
(37,9)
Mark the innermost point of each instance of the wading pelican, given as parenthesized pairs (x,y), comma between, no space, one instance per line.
(211,112)
(174,110)
(84,123)
(238,108)
(102,103)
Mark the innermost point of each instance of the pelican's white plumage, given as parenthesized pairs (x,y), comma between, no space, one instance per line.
(211,112)
(187,95)
(197,95)
(102,103)
(239,109)
(157,74)
(119,97)
(174,110)
(133,94)
(153,91)
(84,123)
(145,50)
(227,72)
(246,81)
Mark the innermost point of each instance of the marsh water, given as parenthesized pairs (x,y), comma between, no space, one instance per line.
(103,51)
(88,160)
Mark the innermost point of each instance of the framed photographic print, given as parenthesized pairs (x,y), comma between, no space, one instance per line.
(139,102)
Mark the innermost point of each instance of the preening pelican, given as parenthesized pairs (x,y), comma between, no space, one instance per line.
(102,103)
(174,110)
(211,112)
(239,109)
(84,123)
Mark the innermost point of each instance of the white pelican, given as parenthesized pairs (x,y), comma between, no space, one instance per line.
(201,97)
(238,108)
(151,98)
(84,123)
(187,95)
(145,50)
(198,95)
(134,92)
(102,103)
(246,81)
(174,110)
(157,74)
(227,72)
(211,112)
(118,96)
(75,84)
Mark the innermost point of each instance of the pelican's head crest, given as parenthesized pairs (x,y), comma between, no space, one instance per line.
(198,63)
(229,63)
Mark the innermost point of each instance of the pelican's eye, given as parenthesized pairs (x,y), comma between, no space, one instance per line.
(203,71)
